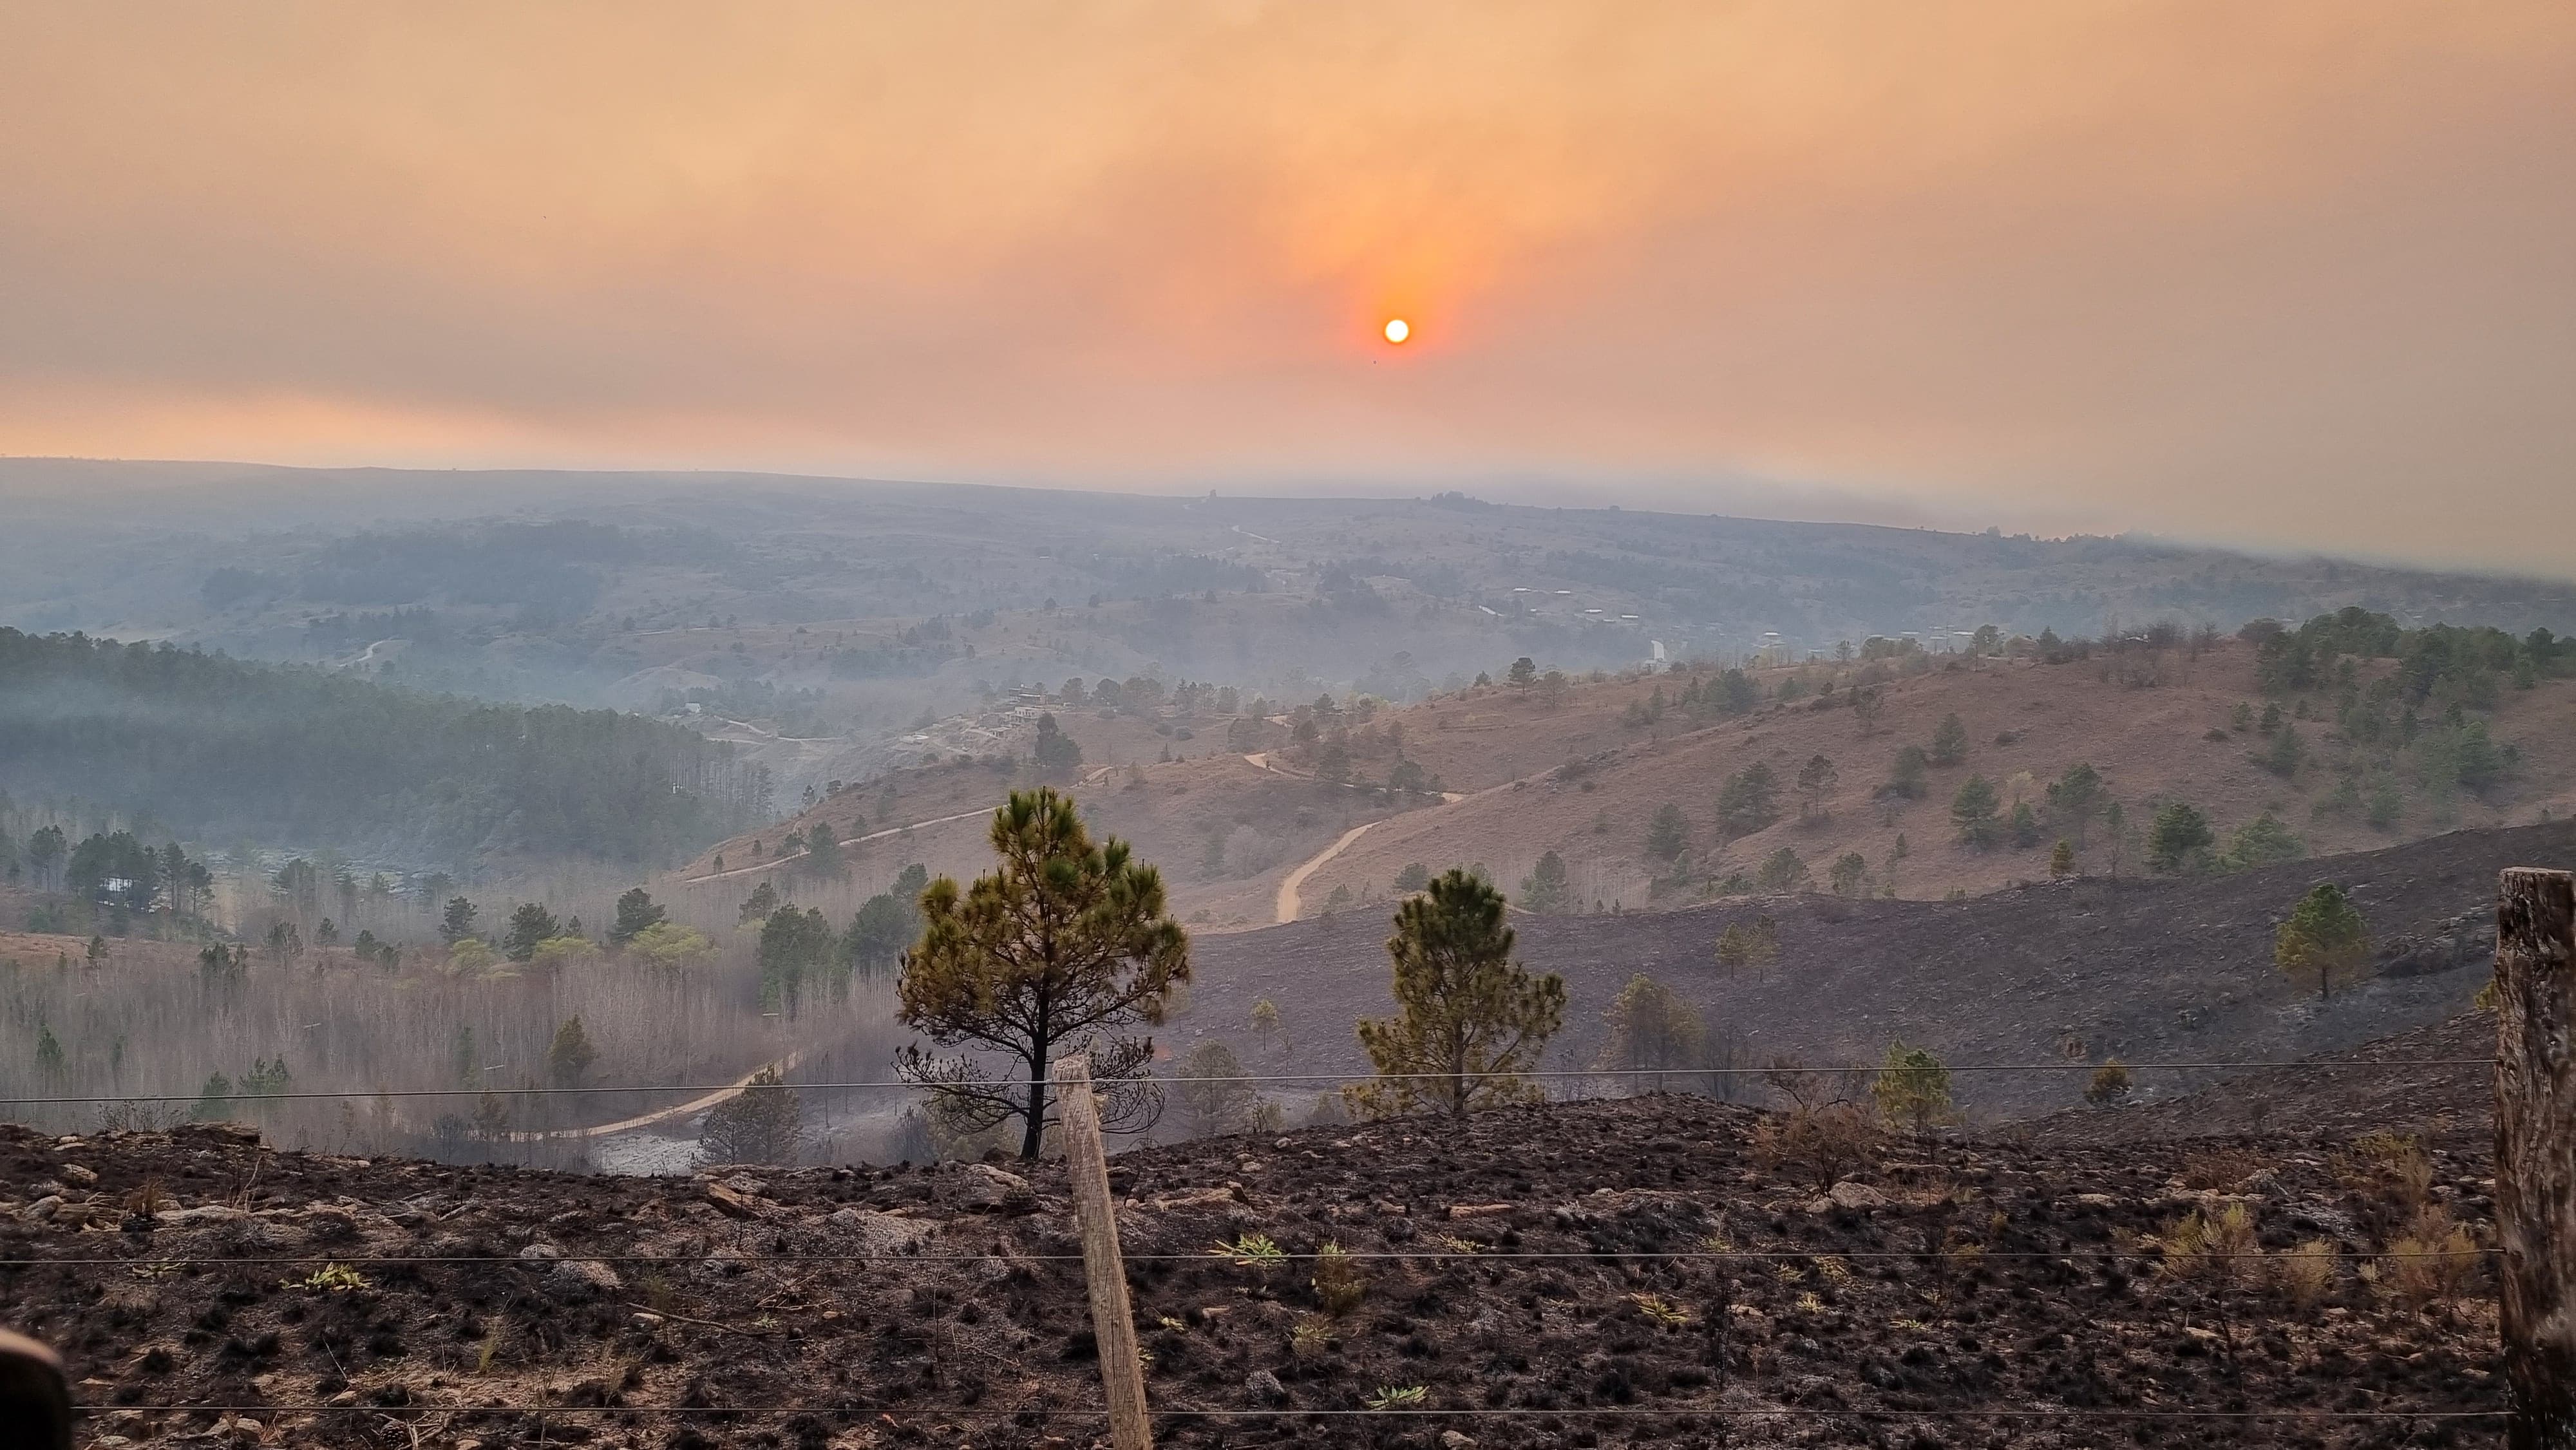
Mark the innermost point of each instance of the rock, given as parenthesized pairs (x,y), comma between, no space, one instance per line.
(1454,1440)
(986,1186)
(2097,1200)
(541,1250)
(1264,1388)
(1851,1194)
(44,1209)
(1479,1210)
(202,1213)
(746,1185)
(1196,1198)
(79,1177)
(573,1281)
(881,1233)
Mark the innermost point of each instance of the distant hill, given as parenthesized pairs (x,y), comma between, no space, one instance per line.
(222,749)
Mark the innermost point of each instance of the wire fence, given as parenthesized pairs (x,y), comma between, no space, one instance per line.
(1602,1074)
(145,1261)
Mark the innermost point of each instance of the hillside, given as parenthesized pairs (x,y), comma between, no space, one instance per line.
(1583,769)
(1582,779)
(2164,970)
(859,1306)
(224,749)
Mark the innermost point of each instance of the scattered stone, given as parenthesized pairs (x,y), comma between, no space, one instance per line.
(882,1233)
(77,1176)
(541,1250)
(44,1209)
(1264,1388)
(986,1186)
(1454,1440)
(573,1281)
(1852,1194)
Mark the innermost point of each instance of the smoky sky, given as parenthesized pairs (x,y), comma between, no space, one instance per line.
(2293,274)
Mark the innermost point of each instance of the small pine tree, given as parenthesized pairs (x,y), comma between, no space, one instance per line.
(1668,836)
(1651,1029)
(530,924)
(1469,1017)
(637,913)
(2061,859)
(458,922)
(1949,740)
(2324,938)
(1912,1089)
(2179,840)
(1975,812)
(570,1056)
(1547,890)
(1782,872)
(760,1124)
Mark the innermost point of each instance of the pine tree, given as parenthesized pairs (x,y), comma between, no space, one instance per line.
(1651,1029)
(1668,835)
(637,913)
(458,922)
(1469,1019)
(1548,889)
(1062,948)
(2324,937)
(2178,840)
(1973,812)
(2061,859)
(1748,801)
(570,1055)
(1949,740)
(530,924)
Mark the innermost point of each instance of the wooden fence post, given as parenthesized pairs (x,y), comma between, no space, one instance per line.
(2535,1158)
(1095,1213)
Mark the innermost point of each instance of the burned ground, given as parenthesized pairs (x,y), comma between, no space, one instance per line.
(1895,1305)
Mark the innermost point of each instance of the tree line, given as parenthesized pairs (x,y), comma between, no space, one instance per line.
(217,745)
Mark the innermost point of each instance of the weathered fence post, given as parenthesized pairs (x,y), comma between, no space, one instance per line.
(2535,1158)
(1095,1213)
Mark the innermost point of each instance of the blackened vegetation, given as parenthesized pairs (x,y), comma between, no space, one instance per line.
(1946,1278)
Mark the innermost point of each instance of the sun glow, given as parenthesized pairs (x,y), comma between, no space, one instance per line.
(1397,329)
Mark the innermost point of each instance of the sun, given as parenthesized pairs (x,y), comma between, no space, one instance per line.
(1397,329)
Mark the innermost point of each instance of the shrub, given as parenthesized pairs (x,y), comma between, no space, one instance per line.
(1819,1144)
(2218,1248)
(1783,872)
(2304,1275)
(1339,1284)
(2434,1262)
(2110,1085)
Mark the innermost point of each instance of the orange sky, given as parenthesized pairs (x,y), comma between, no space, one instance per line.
(2290,272)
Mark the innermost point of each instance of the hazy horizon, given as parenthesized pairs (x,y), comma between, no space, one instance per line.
(2288,279)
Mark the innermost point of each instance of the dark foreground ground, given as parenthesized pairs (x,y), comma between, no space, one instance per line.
(1951,1294)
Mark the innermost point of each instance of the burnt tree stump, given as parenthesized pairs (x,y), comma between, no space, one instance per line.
(2535,1160)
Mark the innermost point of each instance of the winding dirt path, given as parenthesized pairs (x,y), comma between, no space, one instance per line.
(784,1065)
(1286,907)
(774,862)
